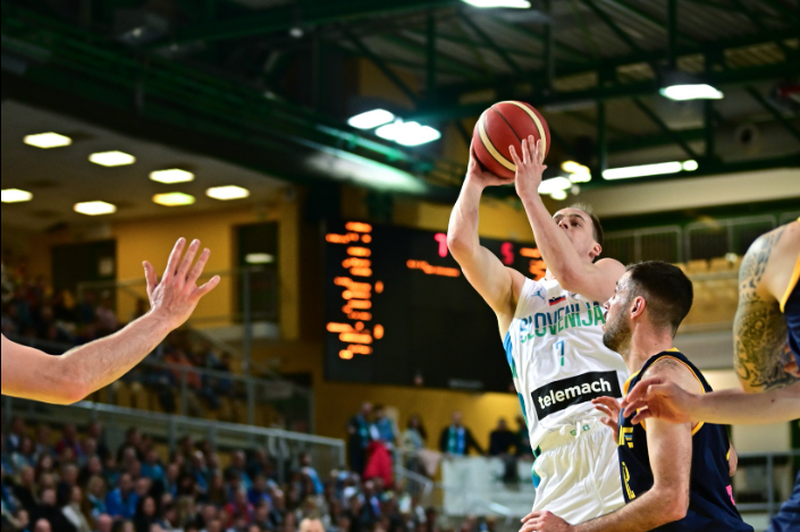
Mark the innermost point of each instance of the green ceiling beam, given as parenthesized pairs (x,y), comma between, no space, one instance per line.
(575,53)
(421,50)
(507,59)
(664,127)
(514,51)
(648,19)
(608,21)
(382,66)
(312,14)
(739,76)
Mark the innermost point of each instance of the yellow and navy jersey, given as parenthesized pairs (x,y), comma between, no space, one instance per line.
(711,506)
(790,306)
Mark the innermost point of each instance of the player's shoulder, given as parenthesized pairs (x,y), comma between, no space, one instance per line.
(611,267)
(672,368)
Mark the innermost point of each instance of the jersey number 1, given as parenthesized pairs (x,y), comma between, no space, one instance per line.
(559,347)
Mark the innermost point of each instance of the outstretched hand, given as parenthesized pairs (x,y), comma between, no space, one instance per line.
(530,167)
(176,296)
(659,398)
(611,408)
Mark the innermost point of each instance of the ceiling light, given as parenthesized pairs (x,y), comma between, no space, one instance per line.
(698,91)
(371,119)
(408,133)
(230,192)
(648,170)
(555,184)
(172,176)
(47,140)
(259,258)
(173,199)
(572,167)
(95,208)
(517,4)
(578,173)
(559,195)
(580,177)
(15,195)
(112,158)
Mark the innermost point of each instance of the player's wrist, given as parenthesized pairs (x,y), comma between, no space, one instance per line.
(159,321)
(473,182)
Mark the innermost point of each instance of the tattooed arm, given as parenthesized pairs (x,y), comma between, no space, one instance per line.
(759,332)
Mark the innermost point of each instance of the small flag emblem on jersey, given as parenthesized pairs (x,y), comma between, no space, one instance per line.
(557,300)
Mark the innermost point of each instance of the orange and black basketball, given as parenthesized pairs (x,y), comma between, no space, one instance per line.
(505,124)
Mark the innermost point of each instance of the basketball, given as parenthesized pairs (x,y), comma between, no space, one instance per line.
(505,124)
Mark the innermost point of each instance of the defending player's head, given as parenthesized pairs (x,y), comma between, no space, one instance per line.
(583,229)
(657,292)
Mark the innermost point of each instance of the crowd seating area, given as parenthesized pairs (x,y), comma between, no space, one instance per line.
(716,290)
(70,481)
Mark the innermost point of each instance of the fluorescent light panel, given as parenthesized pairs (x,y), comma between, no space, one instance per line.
(699,91)
(559,195)
(644,170)
(95,208)
(173,199)
(230,192)
(408,133)
(371,119)
(15,195)
(548,186)
(112,158)
(47,140)
(259,258)
(172,176)
(517,4)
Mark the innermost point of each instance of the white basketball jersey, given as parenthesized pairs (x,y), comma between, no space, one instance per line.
(555,349)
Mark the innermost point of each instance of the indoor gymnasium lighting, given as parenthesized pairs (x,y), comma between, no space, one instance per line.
(112,158)
(227,193)
(371,119)
(95,208)
(578,173)
(408,133)
(15,195)
(172,176)
(47,140)
(173,199)
(555,184)
(517,4)
(698,91)
(559,195)
(259,258)
(644,170)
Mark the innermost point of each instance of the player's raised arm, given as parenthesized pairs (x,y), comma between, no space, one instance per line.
(562,240)
(657,398)
(759,328)
(31,374)
(499,286)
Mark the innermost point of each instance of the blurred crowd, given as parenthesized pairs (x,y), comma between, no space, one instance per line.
(70,481)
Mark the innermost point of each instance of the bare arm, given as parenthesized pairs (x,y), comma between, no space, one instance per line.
(498,286)
(31,374)
(595,281)
(668,499)
(759,329)
(656,397)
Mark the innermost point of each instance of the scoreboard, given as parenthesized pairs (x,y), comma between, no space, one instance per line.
(399,311)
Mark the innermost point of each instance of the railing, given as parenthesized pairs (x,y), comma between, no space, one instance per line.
(644,244)
(773,482)
(705,240)
(187,390)
(327,453)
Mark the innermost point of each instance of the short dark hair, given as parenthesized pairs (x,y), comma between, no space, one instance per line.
(596,226)
(666,288)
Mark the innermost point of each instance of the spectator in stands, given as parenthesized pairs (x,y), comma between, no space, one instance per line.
(146,514)
(48,510)
(311,525)
(240,507)
(501,440)
(104,523)
(359,438)
(413,442)
(42,525)
(96,497)
(259,492)
(259,464)
(44,464)
(15,437)
(121,502)
(171,480)
(43,441)
(25,456)
(95,431)
(238,468)
(311,473)
(73,511)
(68,481)
(457,440)
(92,468)
(25,489)
(384,427)
(151,468)
(69,441)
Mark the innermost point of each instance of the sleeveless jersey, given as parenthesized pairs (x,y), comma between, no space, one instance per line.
(790,306)
(555,349)
(711,506)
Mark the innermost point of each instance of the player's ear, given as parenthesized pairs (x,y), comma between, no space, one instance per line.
(595,251)
(637,306)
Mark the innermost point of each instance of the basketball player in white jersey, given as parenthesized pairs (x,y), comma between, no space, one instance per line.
(31,374)
(552,334)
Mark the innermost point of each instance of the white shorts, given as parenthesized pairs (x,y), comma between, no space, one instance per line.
(579,473)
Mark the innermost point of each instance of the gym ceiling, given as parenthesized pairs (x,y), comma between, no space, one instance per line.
(270,84)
